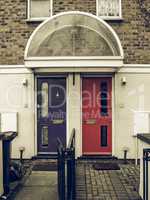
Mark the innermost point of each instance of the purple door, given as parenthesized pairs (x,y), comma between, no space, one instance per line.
(51,111)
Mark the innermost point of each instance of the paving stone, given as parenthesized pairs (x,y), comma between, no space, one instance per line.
(120,184)
(39,186)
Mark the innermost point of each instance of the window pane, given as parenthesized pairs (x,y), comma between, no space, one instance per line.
(103,135)
(45,136)
(39,8)
(44,103)
(104,98)
(58,97)
(109,8)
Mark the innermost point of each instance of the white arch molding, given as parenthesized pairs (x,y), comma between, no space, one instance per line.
(51,43)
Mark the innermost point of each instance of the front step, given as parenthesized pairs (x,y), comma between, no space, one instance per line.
(45,156)
(97,157)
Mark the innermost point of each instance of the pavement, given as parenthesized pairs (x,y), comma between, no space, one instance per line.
(120,184)
(91,184)
(40,185)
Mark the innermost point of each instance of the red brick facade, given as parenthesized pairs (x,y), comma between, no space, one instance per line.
(133,30)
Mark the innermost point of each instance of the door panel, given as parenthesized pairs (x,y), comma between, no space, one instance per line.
(51,109)
(97,115)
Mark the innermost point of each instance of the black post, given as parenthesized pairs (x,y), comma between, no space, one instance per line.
(61,173)
(71,174)
(74,175)
(144,174)
(6,166)
(146,159)
(125,156)
(66,181)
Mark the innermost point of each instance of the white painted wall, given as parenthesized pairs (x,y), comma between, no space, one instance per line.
(134,96)
(14,97)
(74,110)
(129,98)
(1,169)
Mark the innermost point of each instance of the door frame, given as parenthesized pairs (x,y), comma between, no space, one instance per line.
(67,108)
(113,107)
(36,76)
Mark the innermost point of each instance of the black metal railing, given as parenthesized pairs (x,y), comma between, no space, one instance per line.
(66,169)
(146,159)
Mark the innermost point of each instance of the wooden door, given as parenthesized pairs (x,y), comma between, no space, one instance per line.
(97,115)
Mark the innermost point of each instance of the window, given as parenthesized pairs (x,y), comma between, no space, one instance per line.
(104,98)
(39,9)
(45,136)
(109,9)
(103,136)
(44,90)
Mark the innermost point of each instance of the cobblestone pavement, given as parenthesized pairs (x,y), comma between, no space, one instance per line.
(120,184)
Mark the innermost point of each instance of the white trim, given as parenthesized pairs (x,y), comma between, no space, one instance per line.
(12,66)
(28,9)
(134,70)
(110,17)
(15,71)
(137,65)
(81,116)
(57,58)
(79,13)
(37,19)
(30,19)
(75,70)
(104,62)
(113,116)
(67,110)
(51,8)
(82,58)
(35,117)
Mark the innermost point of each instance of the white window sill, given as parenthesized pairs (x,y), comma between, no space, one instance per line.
(109,18)
(40,19)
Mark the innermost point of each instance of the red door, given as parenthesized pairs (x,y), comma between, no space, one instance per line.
(97,116)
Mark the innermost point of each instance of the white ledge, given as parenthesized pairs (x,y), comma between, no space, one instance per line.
(111,62)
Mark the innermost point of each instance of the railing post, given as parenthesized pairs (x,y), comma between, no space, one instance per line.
(74,175)
(61,173)
(146,159)
(147,176)
(71,174)
(144,174)
(66,185)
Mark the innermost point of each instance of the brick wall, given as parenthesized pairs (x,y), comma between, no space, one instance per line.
(133,31)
